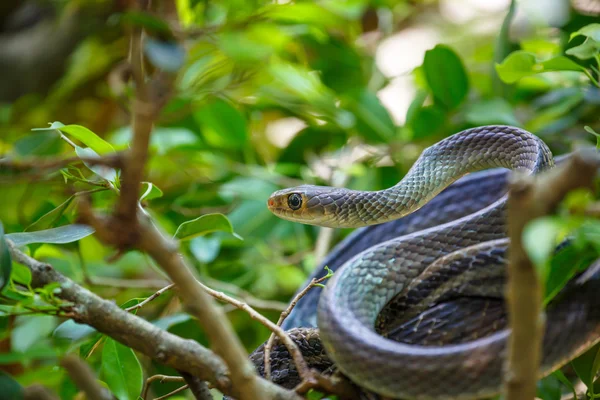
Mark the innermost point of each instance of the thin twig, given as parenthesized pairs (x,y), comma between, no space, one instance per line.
(162,379)
(314,282)
(83,377)
(174,392)
(303,370)
(245,296)
(150,298)
(38,392)
(531,197)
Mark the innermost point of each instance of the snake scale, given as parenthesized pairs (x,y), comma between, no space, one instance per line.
(398,318)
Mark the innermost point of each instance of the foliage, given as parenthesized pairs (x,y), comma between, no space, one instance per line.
(267,96)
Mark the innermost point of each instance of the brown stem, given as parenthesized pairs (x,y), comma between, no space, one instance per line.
(531,197)
(84,378)
(162,379)
(150,298)
(197,386)
(301,366)
(199,304)
(314,282)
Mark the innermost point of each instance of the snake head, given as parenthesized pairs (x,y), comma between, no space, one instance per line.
(308,204)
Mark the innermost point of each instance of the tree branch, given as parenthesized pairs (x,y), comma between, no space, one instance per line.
(531,197)
(198,387)
(84,378)
(139,334)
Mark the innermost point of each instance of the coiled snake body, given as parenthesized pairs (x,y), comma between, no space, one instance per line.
(380,291)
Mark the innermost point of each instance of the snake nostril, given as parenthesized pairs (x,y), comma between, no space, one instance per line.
(271,203)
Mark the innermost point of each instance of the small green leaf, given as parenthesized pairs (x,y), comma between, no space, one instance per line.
(372,119)
(103,171)
(150,191)
(10,388)
(587,365)
(427,121)
(60,235)
(72,331)
(549,388)
(520,64)
(588,49)
(561,377)
(89,138)
(31,329)
(50,218)
(489,112)
(169,321)
(5,261)
(305,13)
(593,132)
(121,370)
(21,274)
(222,125)
(145,20)
(415,105)
(446,76)
(203,225)
(590,31)
(204,249)
(168,56)
(539,241)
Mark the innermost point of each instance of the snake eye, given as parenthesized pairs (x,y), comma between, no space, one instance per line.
(294,201)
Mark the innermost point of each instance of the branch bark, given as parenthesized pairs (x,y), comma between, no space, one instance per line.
(531,197)
(141,335)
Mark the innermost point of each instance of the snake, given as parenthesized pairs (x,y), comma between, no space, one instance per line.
(438,265)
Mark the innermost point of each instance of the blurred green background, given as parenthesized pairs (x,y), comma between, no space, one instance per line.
(267,95)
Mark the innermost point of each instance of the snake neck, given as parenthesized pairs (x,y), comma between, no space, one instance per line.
(438,166)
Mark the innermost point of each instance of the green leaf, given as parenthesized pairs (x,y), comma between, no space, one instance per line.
(5,261)
(30,330)
(372,119)
(121,370)
(415,105)
(60,235)
(203,225)
(103,171)
(305,13)
(539,241)
(89,138)
(590,31)
(204,249)
(520,64)
(169,321)
(446,76)
(50,218)
(593,132)
(21,274)
(549,388)
(222,125)
(145,20)
(150,191)
(586,366)
(168,56)
(563,379)
(10,388)
(490,112)
(72,331)
(588,49)
(427,121)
